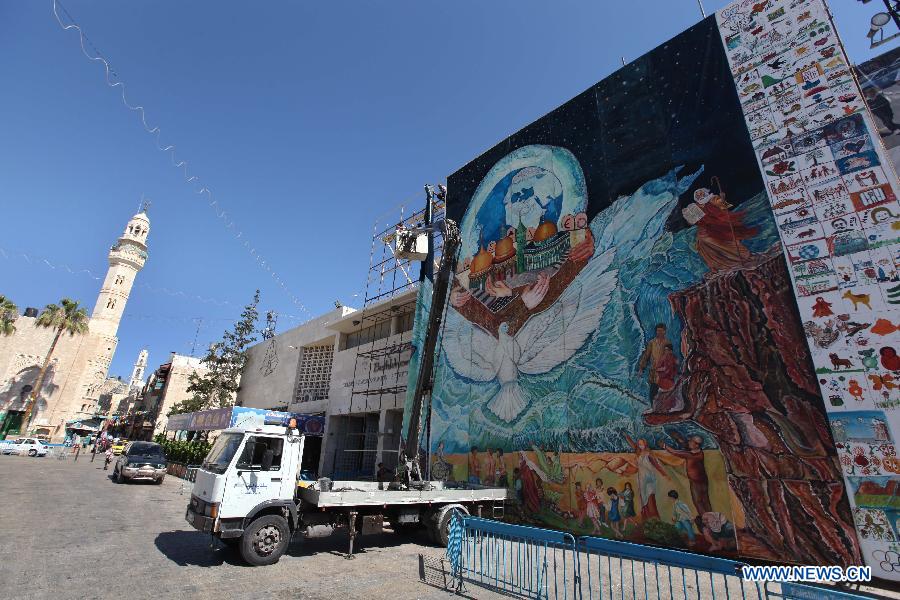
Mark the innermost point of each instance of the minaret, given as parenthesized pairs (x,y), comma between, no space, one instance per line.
(137,374)
(126,258)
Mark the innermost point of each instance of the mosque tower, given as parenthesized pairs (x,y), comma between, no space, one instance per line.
(126,257)
(137,374)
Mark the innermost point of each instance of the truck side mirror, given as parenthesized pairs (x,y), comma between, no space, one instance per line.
(267,458)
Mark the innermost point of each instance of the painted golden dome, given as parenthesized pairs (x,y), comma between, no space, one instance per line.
(545,231)
(482,262)
(504,250)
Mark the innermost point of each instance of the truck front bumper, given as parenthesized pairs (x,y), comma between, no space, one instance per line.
(201,523)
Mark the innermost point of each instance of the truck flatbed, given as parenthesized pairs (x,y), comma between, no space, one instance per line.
(366,493)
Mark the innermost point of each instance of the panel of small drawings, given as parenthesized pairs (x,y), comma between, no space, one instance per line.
(832,188)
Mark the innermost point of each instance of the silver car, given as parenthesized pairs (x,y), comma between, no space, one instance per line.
(140,460)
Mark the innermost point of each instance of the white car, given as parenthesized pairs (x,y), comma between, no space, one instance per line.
(25,447)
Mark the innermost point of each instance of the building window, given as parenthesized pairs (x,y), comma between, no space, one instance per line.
(120,279)
(370,334)
(111,303)
(383,330)
(405,322)
(314,373)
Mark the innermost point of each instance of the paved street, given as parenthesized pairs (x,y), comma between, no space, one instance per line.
(68,531)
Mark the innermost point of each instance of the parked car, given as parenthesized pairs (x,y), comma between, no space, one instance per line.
(25,447)
(118,446)
(8,446)
(140,460)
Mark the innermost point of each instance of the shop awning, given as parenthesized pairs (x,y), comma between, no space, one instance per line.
(90,425)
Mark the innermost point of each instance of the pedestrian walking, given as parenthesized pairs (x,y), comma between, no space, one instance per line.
(109,456)
(93,451)
(77,451)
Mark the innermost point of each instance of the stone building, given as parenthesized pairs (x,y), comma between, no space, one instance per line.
(78,370)
(166,387)
(347,365)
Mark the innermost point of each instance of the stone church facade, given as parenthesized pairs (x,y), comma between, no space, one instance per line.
(80,364)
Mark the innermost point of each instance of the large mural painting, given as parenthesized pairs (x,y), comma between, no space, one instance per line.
(623,347)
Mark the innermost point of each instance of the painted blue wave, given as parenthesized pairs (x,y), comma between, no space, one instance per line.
(585,404)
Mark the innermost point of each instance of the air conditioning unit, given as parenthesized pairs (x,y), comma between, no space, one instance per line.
(411,245)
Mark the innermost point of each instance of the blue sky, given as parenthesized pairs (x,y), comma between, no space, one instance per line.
(306,120)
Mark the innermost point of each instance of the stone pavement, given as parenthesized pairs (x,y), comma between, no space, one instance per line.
(68,531)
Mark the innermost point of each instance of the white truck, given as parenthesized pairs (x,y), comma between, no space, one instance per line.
(249,494)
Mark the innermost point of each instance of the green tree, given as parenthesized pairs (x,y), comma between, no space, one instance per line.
(69,318)
(9,312)
(224,361)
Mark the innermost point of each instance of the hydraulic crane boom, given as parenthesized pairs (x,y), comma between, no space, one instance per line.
(410,455)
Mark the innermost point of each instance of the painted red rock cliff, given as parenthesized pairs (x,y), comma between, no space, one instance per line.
(749,381)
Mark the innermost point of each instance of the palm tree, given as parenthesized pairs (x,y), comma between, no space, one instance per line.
(9,312)
(69,318)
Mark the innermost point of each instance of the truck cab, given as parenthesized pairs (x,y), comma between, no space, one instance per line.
(257,488)
(248,474)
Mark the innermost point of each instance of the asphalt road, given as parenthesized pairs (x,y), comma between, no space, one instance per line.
(68,531)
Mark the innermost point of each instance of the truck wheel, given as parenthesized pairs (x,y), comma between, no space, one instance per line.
(265,540)
(439,528)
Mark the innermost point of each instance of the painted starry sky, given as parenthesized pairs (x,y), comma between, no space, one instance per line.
(676,105)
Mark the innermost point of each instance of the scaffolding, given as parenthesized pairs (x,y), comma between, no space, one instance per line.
(383,338)
(389,277)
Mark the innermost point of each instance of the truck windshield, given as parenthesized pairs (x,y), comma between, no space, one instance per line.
(222,452)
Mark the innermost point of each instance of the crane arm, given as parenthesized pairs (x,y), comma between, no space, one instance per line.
(410,455)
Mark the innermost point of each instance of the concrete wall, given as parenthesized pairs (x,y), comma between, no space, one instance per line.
(270,383)
(378,416)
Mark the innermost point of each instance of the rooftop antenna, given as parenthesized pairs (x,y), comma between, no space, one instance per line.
(702,10)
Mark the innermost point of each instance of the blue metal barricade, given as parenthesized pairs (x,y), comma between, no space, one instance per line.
(799,591)
(615,569)
(528,562)
(189,475)
(524,562)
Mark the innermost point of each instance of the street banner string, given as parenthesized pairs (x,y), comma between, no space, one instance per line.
(57,266)
(227,222)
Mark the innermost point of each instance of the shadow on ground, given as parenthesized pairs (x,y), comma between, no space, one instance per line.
(193,548)
(434,571)
(339,543)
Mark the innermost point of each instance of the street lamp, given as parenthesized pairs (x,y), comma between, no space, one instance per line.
(879,20)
